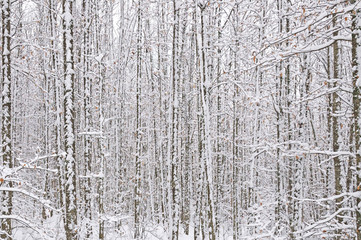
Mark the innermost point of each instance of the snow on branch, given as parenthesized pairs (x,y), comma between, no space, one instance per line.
(44,202)
(28,224)
(8,172)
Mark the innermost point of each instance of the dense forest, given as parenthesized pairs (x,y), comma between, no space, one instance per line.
(180,119)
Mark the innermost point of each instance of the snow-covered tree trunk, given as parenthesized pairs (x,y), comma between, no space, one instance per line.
(235,131)
(356,97)
(57,95)
(279,114)
(173,125)
(291,183)
(87,83)
(71,222)
(162,70)
(138,213)
(205,84)
(102,160)
(7,151)
(219,144)
(336,104)
(55,103)
(199,172)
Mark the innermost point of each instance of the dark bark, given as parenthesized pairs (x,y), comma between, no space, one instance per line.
(69,120)
(6,80)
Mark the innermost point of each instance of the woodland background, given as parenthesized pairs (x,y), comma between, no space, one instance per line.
(182,119)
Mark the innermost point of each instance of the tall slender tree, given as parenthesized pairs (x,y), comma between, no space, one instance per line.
(356,100)
(71,222)
(205,84)
(138,214)
(6,121)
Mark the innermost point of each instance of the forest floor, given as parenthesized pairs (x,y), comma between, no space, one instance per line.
(53,230)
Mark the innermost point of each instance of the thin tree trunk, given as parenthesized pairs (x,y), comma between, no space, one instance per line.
(279,114)
(219,146)
(87,82)
(356,97)
(7,159)
(174,129)
(69,120)
(335,109)
(138,183)
(205,85)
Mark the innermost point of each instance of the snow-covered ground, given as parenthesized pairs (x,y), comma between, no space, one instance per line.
(54,231)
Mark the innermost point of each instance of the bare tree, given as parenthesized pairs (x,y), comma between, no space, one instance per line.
(7,150)
(69,120)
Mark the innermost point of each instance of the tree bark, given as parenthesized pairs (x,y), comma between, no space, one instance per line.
(356,100)
(69,120)
(7,158)
(335,109)
(138,174)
